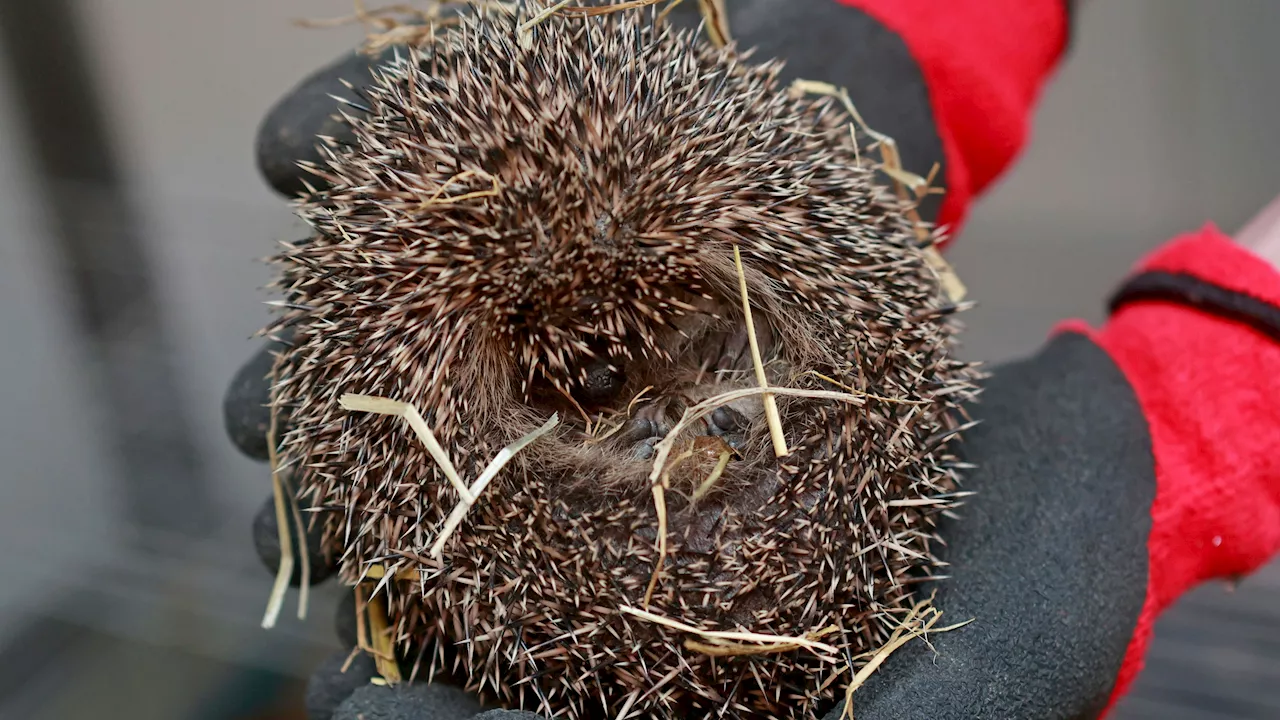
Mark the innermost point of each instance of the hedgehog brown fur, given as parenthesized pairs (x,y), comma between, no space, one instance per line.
(527,228)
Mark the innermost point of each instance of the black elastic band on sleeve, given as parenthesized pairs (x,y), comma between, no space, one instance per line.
(1202,295)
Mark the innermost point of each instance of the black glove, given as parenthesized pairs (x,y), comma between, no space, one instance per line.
(1050,557)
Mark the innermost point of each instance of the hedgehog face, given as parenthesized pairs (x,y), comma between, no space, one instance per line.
(577,300)
(541,237)
(521,229)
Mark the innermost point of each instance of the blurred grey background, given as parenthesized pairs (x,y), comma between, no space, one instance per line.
(114,604)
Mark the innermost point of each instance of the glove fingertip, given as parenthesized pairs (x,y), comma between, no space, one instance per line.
(245,411)
(266,540)
(288,134)
(330,685)
(344,619)
(418,701)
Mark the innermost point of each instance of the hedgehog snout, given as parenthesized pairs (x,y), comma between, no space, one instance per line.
(604,381)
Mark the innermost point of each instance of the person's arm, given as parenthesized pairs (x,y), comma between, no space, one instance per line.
(983,64)
(1195,330)
(954,83)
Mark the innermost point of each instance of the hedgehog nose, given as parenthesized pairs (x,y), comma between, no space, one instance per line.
(604,380)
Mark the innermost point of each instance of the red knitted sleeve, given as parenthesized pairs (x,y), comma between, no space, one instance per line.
(984,62)
(1209,386)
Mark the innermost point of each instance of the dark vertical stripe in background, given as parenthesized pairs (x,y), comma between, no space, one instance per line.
(104,271)
(102,260)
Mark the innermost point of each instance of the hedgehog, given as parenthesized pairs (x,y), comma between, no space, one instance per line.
(561,220)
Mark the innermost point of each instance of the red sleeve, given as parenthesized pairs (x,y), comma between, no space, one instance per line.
(1209,386)
(984,62)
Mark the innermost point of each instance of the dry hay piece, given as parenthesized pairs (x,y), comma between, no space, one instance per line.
(542,222)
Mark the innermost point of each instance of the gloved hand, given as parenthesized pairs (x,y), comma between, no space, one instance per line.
(1049,558)
(1065,555)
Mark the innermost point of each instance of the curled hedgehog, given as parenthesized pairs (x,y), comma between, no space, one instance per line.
(542,221)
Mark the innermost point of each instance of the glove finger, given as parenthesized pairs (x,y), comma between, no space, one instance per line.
(415,701)
(1049,558)
(344,619)
(329,685)
(266,540)
(289,132)
(833,42)
(246,414)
